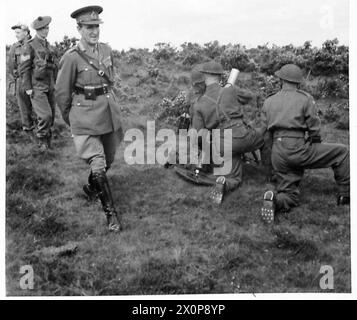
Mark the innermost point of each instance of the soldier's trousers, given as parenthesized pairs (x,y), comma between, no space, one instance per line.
(244,139)
(25,106)
(43,103)
(291,156)
(98,151)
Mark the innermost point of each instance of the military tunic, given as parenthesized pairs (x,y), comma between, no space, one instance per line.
(38,69)
(219,108)
(95,123)
(290,116)
(23,100)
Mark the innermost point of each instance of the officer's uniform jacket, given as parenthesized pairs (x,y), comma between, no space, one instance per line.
(37,67)
(205,110)
(291,110)
(86,116)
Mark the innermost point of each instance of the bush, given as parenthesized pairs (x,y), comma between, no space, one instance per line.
(235,56)
(64,45)
(191,54)
(338,114)
(171,109)
(163,51)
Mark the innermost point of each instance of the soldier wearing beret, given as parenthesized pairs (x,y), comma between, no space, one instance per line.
(290,117)
(38,71)
(89,106)
(221,108)
(23,100)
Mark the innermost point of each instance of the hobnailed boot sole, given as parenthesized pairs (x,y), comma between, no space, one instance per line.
(217,192)
(268,208)
(114,224)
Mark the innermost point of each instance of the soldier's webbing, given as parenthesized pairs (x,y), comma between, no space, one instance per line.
(101,73)
(218,106)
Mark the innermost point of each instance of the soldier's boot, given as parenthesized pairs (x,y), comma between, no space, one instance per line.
(217,192)
(343,200)
(113,218)
(90,189)
(29,133)
(43,143)
(269,207)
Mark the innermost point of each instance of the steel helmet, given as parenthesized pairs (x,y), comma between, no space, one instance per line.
(291,73)
(211,67)
(196,77)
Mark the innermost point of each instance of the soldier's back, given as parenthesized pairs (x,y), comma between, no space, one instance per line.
(285,109)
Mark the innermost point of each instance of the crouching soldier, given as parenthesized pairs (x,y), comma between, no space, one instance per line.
(221,108)
(291,118)
(88,105)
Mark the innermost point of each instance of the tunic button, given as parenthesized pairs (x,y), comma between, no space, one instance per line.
(107,95)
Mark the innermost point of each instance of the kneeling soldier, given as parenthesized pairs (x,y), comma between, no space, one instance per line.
(289,115)
(85,97)
(221,108)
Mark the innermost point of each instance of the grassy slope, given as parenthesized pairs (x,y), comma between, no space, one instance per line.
(174,240)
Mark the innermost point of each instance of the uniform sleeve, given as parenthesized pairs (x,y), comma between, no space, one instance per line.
(244,96)
(311,118)
(197,120)
(11,60)
(25,67)
(264,117)
(64,85)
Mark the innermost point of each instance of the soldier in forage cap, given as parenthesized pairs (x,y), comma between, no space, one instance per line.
(38,70)
(84,94)
(22,32)
(291,119)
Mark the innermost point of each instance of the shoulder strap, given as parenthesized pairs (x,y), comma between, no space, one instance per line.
(218,105)
(100,71)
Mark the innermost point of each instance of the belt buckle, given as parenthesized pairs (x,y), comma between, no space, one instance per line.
(105,89)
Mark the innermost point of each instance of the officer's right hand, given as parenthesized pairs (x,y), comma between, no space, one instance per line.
(29,92)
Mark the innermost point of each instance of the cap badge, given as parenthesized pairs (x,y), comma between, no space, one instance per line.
(94,15)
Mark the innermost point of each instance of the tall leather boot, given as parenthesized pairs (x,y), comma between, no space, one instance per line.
(105,196)
(90,189)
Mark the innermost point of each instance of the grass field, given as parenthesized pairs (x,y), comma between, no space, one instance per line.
(174,241)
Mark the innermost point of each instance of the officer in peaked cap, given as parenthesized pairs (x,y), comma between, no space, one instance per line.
(221,108)
(22,32)
(38,69)
(88,15)
(84,94)
(290,117)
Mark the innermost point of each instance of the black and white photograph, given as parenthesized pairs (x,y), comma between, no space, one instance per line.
(176,148)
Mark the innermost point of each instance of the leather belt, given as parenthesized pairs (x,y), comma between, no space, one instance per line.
(96,90)
(287,133)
